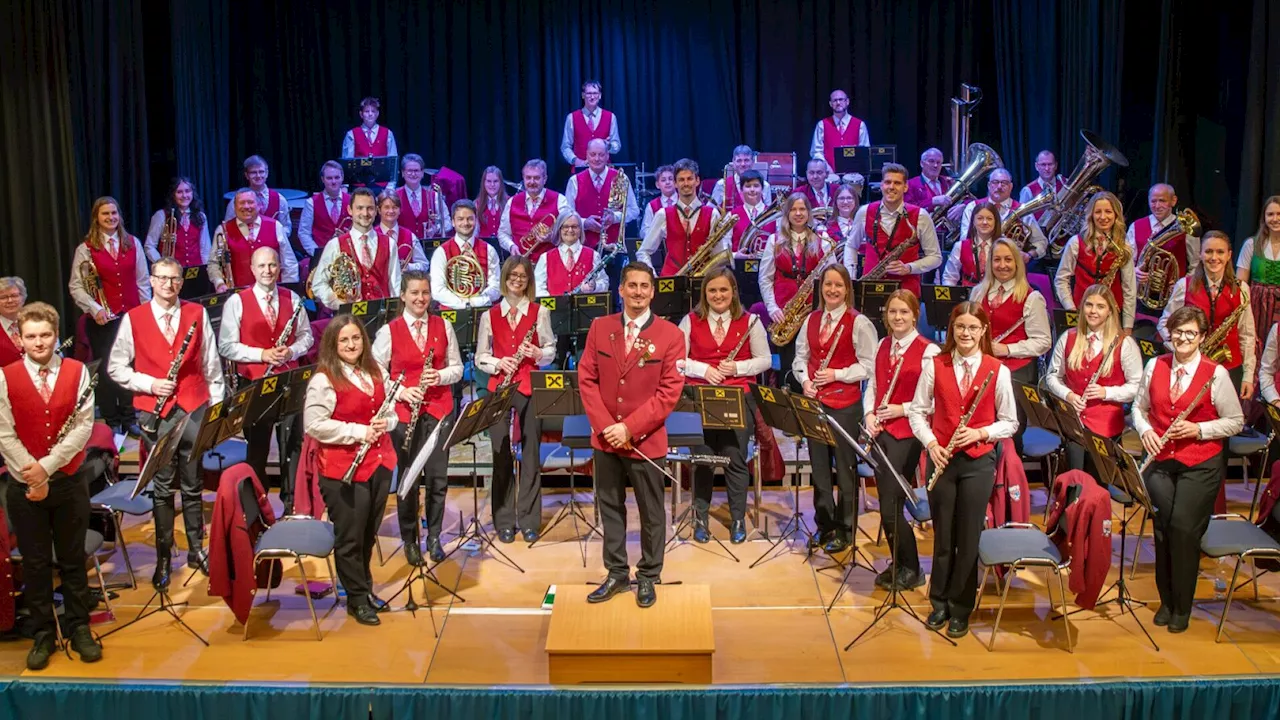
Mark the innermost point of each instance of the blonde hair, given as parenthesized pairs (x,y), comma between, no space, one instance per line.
(95,238)
(1090,234)
(1110,330)
(1020,285)
(784,240)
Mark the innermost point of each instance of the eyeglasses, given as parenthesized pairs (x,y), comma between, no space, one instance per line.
(1184,334)
(970,329)
(1000,182)
(170,279)
(10,296)
(517,276)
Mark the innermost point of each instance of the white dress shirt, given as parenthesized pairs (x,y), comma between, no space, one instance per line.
(871,394)
(761,356)
(566,138)
(1130,362)
(922,406)
(717,193)
(1025,196)
(816,148)
(308,218)
(1222,393)
(288,261)
(1246,255)
(322,400)
(488,362)
(952,273)
(571,196)
(1035,319)
(1193,242)
(864,346)
(1267,368)
(769,270)
(89,303)
(658,232)
(229,345)
(440,291)
(449,374)
(120,362)
(930,253)
(156,229)
(16,455)
(443,219)
(264,198)
(1039,243)
(417,258)
(505,239)
(321,276)
(1248,333)
(567,255)
(1064,281)
(349,142)
(647,221)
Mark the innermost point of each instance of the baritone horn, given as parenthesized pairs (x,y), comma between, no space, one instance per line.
(93,286)
(1159,266)
(982,160)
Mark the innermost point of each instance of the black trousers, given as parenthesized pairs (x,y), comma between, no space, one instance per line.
(356,511)
(512,509)
(288,432)
(827,514)
(904,456)
(613,472)
(1183,498)
(53,526)
(958,503)
(115,404)
(186,467)
(435,477)
(733,445)
(1028,374)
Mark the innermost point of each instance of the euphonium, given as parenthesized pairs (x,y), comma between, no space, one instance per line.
(537,235)
(702,258)
(1214,346)
(798,307)
(1159,266)
(1018,231)
(93,286)
(463,274)
(982,160)
(754,238)
(1066,217)
(169,235)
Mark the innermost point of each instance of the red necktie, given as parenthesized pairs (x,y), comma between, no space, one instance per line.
(1175,392)
(333,210)
(999,297)
(967,380)
(1093,347)
(111,248)
(15,336)
(415,201)
(366,256)
(719,331)
(598,180)
(419,335)
(271,311)
(591,122)
(895,355)
(252,234)
(45,391)
(513,318)
(631,337)
(828,324)
(364,383)
(169,333)
(186,221)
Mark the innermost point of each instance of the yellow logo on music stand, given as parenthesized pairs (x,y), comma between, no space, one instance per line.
(1073,317)
(879,288)
(554,381)
(214,300)
(269,385)
(450,315)
(244,395)
(360,308)
(1273,412)
(1031,393)
(766,394)
(666,285)
(1148,348)
(193,272)
(752,266)
(306,374)
(591,300)
(719,394)
(1101,447)
(215,412)
(549,303)
(941,292)
(473,408)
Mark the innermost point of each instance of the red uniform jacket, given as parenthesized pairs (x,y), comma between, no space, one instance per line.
(639,388)
(1011,495)
(920,195)
(307,499)
(1086,542)
(419,223)
(1004,319)
(153,356)
(1217,311)
(118,275)
(812,194)
(681,244)
(233,535)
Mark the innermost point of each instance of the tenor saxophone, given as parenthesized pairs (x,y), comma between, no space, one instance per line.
(702,258)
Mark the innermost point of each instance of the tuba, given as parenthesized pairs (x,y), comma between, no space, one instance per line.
(702,258)
(463,274)
(1066,217)
(799,307)
(982,160)
(1159,265)
(93,286)
(1015,229)
(168,243)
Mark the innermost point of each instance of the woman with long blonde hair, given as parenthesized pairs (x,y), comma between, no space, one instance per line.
(790,255)
(1097,252)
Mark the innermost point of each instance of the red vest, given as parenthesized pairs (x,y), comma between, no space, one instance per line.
(703,347)
(354,406)
(1037,186)
(1091,269)
(255,332)
(118,276)
(39,422)
(812,194)
(680,245)
(1176,244)
(506,340)
(490,221)
(732,198)
(421,222)
(1217,312)
(522,222)
(583,134)
(789,270)
(744,222)
(1003,318)
(374,283)
(832,138)
(590,201)
(186,248)
(878,243)
(377,148)
(562,280)
(970,273)
(275,203)
(242,248)
(905,389)
(948,406)
(153,355)
(406,358)
(8,351)
(403,239)
(322,226)
(1190,452)
(480,247)
(837,395)
(1100,416)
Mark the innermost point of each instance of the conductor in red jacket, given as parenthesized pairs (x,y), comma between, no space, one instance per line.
(630,384)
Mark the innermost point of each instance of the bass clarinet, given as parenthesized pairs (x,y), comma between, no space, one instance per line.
(387,402)
(172,376)
(964,423)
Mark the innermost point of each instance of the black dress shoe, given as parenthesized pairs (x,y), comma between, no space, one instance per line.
(909,579)
(1162,616)
(610,587)
(41,651)
(378,604)
(507,535)
(160,578)
(738,532)
(937,619)
(1178,623)
(700,532)
(530,536)
(199,560)
(819,539)
(85,645)
(884,580)
(364,614)
(646,596)
(413,554)
(131,428)
(957,628)
(434,550)
(837,544)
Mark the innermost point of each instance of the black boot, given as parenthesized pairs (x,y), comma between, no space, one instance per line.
(193,523)
(162,515)
(701,533)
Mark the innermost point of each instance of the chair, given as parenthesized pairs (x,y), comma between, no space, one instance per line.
(1019,546)
(1247,445)
(297,537)
(115,500)
(1045,448)
(1240,539)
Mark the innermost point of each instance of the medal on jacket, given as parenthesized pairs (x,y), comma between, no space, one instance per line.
(648,351)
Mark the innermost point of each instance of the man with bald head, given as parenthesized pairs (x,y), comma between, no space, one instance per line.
(1047,177)
(1162,200)
(839,130)
(264,330)
(929,188)
(999,186)
(588,193)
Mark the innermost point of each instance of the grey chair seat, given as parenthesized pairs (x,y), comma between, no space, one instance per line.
(1233,537)
(1247,442)
(224,455)
(116,498)
(93,542)
(1038,442)
(1005,546)
(299,536)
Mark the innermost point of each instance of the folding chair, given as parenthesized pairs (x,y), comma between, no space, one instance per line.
(1242,540)
(1020,546)
(297,537)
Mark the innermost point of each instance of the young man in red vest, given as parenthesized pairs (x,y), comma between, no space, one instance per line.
(630,382)
(1162,200)
(325,211)
(240,239)
(423,209)
(403,346)
(930,187)
(270,203)
(664,180)
(263,330)
(377,265)
(886,224)
(529,214)
(150,338)
(588,193)
(13,295)
(481,288)
(48,488)
(683,227)
(839,130)
(369,139)
(1048,177)
(590,123)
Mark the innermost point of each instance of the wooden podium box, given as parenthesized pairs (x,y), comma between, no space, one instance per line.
(619,642)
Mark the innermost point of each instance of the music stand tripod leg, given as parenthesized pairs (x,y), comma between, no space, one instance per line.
(795,525)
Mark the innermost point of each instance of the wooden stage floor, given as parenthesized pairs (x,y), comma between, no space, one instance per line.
(771,624)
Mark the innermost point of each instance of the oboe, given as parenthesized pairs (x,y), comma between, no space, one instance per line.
(282,339)
(1164,436)
(387,402)
(65,430)
(414,407)
(171,377)
(964,423)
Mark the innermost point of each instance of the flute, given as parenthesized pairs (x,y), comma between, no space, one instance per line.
(964,423)
(1164,436)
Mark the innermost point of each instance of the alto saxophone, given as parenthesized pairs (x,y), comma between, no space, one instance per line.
(702,258)
(797,308)
(1123,255)
(882,268)
(1159,266)
(416,407)
(1214,346)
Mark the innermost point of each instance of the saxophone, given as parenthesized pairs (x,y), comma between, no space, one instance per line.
(882,268)
(798,307)
(1159,266)
(1123,255)
(1214,344)
(703,258)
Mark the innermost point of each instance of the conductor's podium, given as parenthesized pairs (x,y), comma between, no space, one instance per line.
(618,642)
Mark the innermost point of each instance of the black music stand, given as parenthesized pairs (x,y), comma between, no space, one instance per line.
(747,273)
(373,314)
(1035,405)
(870,297)
(555,394)
(777,412)
(466,323)
(369,170)
(939,301)
(673,297)
(161,456)
(429,244)
(882,155)
(717,407)
(1064,320)
(852,159)
(213,305)
(195,282)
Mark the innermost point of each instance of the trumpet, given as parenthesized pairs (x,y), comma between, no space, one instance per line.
(538,234)
(168,243)
(363,450)
(702,258)
(93,286)
(415,407)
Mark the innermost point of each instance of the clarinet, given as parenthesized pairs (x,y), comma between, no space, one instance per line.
(414,407)
(512,375)
(603,260)
(65,430)
(964,423)
(387,402)
(283,338)
(172,377)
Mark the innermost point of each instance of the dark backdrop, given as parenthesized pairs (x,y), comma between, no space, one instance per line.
(115,98)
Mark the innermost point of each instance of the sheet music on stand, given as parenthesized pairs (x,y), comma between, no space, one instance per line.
(722,407)
(587,308)
(161,455)
(1117,467)
(369,170)
(673,297)
(195,282)
(409,481)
